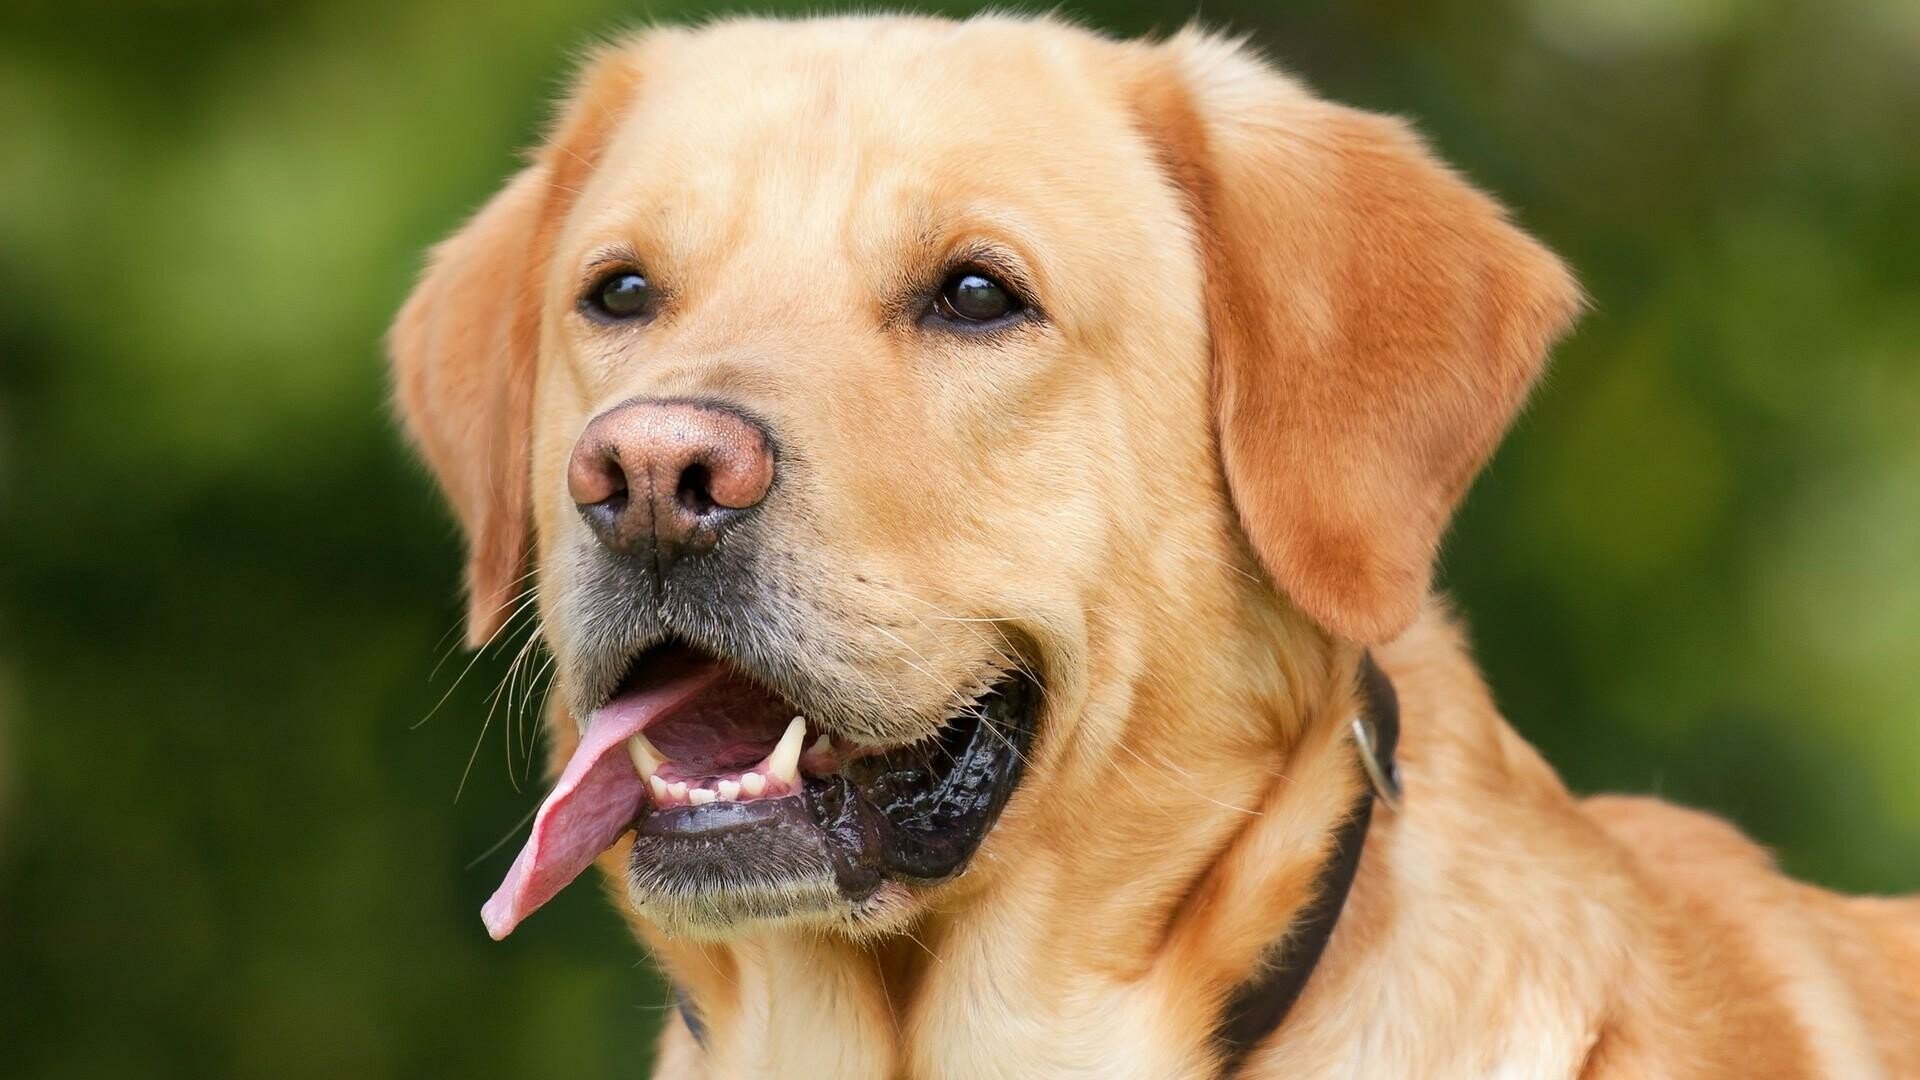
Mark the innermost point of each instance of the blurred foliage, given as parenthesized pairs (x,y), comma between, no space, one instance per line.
(229,848)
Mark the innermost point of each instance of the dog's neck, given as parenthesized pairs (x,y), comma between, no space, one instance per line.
(1242,825)
(1261,1002)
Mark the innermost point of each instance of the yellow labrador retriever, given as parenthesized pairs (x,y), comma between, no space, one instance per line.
(983,480)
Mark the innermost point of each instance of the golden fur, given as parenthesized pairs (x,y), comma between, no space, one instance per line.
(1279,341)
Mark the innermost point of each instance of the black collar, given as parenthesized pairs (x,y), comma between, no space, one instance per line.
(1261,1003)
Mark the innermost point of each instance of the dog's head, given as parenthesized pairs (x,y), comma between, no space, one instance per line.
(905,412)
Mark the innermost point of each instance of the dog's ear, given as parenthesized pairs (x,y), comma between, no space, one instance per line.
(465,344)
(1376,323)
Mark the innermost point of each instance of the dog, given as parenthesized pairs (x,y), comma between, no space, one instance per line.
(982,481)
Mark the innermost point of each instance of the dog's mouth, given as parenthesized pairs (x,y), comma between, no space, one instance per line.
(745,808)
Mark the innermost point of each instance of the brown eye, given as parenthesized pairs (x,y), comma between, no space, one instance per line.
(621,296)
(970,296)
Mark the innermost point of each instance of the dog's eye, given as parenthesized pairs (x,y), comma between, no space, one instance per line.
(969,296)
(622,295)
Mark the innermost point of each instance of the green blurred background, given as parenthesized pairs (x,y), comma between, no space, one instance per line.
(227,846)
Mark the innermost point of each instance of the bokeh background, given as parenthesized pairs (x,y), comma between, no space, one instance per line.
(230,847)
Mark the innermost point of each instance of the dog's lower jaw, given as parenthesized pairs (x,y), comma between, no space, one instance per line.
(770,872)
(731,867)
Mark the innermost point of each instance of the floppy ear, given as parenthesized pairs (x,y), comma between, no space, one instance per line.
(1376,323)
(465,345)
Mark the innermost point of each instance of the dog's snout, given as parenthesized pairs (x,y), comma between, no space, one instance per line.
(664,479)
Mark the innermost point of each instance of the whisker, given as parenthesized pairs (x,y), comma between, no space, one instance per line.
(527,730)
(504,693)
(936,680)
(525,820)
(475,659)
(533,733)
(493,703)
(994,729)
(880,977)
(937,958)
(447,649)
(1191,790)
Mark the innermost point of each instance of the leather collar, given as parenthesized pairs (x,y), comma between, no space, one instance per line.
(1260,1005)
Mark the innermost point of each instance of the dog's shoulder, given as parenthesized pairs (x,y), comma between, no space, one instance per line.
(1840,968)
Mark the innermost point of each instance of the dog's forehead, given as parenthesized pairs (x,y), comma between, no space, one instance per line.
(854,84)
(821,134)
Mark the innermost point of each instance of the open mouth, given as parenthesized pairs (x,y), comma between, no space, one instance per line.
(744,807)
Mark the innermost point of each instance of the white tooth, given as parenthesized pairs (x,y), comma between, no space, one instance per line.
(645,757)
(700,796)
(821,745)
(753,784)
(729,790)
(678,789)
(784,763)
(659,787)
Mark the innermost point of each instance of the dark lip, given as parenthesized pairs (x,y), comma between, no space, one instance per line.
(916,814)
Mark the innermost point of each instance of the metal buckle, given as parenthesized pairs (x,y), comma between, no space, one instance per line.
(1385,777)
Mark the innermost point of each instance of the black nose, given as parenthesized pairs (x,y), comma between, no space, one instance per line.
(665,478)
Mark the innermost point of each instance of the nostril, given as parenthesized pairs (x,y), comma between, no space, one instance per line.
(695,490)
(609,487)
(595,475)
(604,513)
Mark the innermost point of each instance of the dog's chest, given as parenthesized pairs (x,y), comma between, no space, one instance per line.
(967,1016)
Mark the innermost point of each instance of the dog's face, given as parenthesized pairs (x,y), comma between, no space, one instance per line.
(897,405)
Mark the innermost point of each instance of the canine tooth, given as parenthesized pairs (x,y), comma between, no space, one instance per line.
(659,788)
(753,784)
(701,796)
(646,758)
(729,790)
(678,789)
(784,763)
(821,745)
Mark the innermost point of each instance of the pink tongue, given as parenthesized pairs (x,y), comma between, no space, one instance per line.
(598,796)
